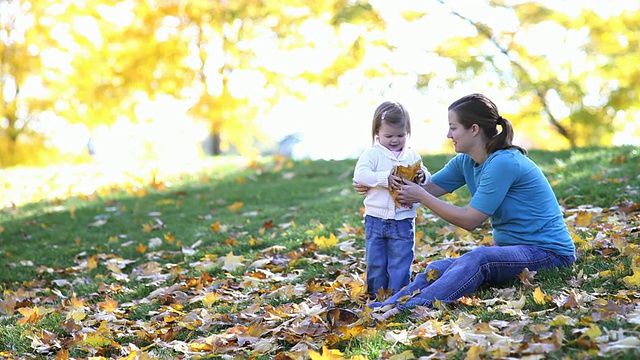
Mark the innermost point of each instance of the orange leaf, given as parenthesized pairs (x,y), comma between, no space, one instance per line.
(141,248)
(77,303)
(108,304)
(215,227)
(31,315)
(235,206)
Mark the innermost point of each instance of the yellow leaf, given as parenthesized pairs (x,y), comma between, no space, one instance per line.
(96,341)
(327,354)
(633,281)
(474,353)
(235,206)
(146,227)
(433,274)
(561,320)
(324,243)
(169,238)
(165,202)
(605,273)
(210,299)
(76,315)
(215,227)
(92,263)
(583,219)
(539,297)
(593,332)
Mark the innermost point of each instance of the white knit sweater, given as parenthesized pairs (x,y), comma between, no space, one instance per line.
(373,169)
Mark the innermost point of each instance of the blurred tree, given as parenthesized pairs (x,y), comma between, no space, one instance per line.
(586,97)
(230,58)
(209,53)
(22,94)
(95,62)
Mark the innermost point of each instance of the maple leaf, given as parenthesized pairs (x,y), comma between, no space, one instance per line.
(593,332)
(76,315)
(8,305)
(526,277)
(583,218)
(539,297)
(433,274)
(141,248)
(31,315)
(474,353)
(108,304)
(633,281)
(324,242)
(232,262)
(408,172)
(169,238)
(327,354)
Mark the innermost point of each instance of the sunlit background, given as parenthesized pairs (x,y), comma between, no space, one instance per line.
(123,83)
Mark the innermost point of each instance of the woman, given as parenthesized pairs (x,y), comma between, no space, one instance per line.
(507,188)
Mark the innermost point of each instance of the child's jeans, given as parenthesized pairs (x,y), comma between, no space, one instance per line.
(389,253)
(456,277)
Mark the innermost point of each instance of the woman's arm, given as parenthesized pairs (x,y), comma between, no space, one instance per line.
(465,217)
(430,187)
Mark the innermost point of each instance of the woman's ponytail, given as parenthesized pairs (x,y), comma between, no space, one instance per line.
(504,138)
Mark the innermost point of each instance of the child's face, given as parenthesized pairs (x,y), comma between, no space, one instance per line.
(393,138)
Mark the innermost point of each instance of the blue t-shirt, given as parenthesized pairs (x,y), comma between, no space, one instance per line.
(514,192)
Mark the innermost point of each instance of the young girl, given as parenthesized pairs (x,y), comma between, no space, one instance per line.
(506,187)
(389,228)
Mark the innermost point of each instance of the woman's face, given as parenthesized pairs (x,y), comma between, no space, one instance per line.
(463,139)
(393,138)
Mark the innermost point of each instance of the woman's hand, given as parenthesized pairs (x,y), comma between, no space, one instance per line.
(411,193)
(360,188)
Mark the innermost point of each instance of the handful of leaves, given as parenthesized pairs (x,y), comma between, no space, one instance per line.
(408,172)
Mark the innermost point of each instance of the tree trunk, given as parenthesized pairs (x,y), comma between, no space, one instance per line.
(215,143)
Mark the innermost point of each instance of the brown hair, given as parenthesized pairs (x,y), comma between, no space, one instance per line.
(478,109)
(392,113)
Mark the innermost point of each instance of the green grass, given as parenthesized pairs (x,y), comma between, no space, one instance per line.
(97,246)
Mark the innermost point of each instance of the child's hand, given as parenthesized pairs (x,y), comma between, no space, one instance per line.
(420,176)
(395,182)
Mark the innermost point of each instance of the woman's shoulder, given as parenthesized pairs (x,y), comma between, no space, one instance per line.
(510,160)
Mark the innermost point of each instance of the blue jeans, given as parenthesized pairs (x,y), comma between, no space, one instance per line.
(457,277)
(389,253)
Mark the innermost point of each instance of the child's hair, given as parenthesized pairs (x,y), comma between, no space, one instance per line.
(392,113)
(479,109)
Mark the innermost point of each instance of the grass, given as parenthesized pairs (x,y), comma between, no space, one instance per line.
(249,236)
